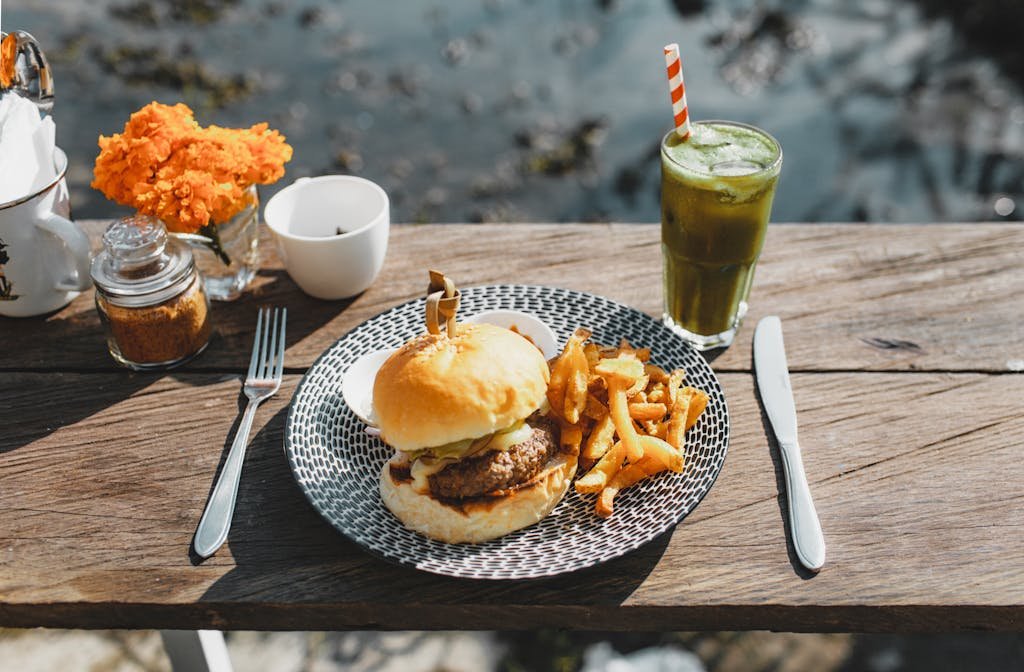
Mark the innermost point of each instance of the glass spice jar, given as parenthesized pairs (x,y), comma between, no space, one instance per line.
(149,296)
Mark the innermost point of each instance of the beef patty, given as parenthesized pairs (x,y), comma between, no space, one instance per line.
(499,469)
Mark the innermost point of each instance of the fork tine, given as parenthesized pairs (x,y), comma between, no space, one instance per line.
(254,360)
(272,352)
(280,347)
(262,372)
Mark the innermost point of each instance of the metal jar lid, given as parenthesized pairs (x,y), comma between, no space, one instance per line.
(140,265)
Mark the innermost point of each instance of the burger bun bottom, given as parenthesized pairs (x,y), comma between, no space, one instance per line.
(481,518)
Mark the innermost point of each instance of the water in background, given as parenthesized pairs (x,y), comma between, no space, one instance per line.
(526,110)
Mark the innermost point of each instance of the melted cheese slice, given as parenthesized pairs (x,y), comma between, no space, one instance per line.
(505,440)
(425,467)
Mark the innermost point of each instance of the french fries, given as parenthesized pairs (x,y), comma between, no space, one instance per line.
(655,373)
(675,379)
(597,478)
(557,382)
(567,387)
(625,416)
(572,438)
(579,377)
(647,411)
(627,476)
(599,442)
(698,402)
(668,456)
(619,409)
(595,409)
(637,388)
(626,370)
(677,421)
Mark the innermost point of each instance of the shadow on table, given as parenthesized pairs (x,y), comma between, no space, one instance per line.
(235,321)
(61,339)
(46,403)
(63,374)
(72,339)
(285,552)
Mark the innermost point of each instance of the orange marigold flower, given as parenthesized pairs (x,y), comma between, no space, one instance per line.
(166,165)
(8,56)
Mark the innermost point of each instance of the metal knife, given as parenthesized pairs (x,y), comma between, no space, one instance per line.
(777,396)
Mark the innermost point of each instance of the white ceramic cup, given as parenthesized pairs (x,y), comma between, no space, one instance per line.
(44,256)
(332,233)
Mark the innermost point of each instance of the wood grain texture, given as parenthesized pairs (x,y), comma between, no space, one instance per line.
(917,478)
(912,438)
(851,297)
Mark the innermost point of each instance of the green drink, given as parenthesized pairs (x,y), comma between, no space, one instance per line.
(716,198)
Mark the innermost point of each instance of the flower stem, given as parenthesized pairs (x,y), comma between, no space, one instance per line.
(212,232)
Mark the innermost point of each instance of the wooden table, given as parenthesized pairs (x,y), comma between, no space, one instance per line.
(906,346)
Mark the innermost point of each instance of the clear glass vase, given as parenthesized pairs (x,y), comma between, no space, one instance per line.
(227,255)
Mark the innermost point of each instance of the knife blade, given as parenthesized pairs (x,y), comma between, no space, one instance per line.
(777,396)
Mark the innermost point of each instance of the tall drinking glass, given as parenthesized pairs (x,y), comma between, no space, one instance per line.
(716,198)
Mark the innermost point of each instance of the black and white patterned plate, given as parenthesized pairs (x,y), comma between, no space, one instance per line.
(337,464)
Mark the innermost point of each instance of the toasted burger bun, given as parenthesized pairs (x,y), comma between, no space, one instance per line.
(480,518)
(435,390)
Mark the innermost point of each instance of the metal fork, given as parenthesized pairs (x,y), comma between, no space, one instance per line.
(263,380)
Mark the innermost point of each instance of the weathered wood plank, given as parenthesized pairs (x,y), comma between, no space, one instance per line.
(917,478)
(852,297)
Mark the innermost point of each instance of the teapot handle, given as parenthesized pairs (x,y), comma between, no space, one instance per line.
(78,248)
(29,73)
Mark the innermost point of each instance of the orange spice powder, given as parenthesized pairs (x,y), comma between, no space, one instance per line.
(169,331)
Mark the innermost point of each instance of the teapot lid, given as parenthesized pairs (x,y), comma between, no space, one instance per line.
(139,264)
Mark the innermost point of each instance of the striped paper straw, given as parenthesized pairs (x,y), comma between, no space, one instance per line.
(677,90)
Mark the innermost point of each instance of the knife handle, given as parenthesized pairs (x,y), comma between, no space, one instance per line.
(803,518)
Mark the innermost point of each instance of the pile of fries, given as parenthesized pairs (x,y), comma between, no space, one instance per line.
(625,417)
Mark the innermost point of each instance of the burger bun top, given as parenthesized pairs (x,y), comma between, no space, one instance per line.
(437,389)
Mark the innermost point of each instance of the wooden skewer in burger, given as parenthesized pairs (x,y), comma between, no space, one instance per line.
(464,407)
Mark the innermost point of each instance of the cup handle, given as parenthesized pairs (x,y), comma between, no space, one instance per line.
(78,248)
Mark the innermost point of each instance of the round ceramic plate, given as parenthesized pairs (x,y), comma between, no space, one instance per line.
(337,464)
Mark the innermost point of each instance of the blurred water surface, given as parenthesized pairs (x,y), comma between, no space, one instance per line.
(522,110)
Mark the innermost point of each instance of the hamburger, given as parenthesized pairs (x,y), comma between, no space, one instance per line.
(476,456)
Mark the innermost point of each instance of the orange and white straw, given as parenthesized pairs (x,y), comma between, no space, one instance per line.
(677,90)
